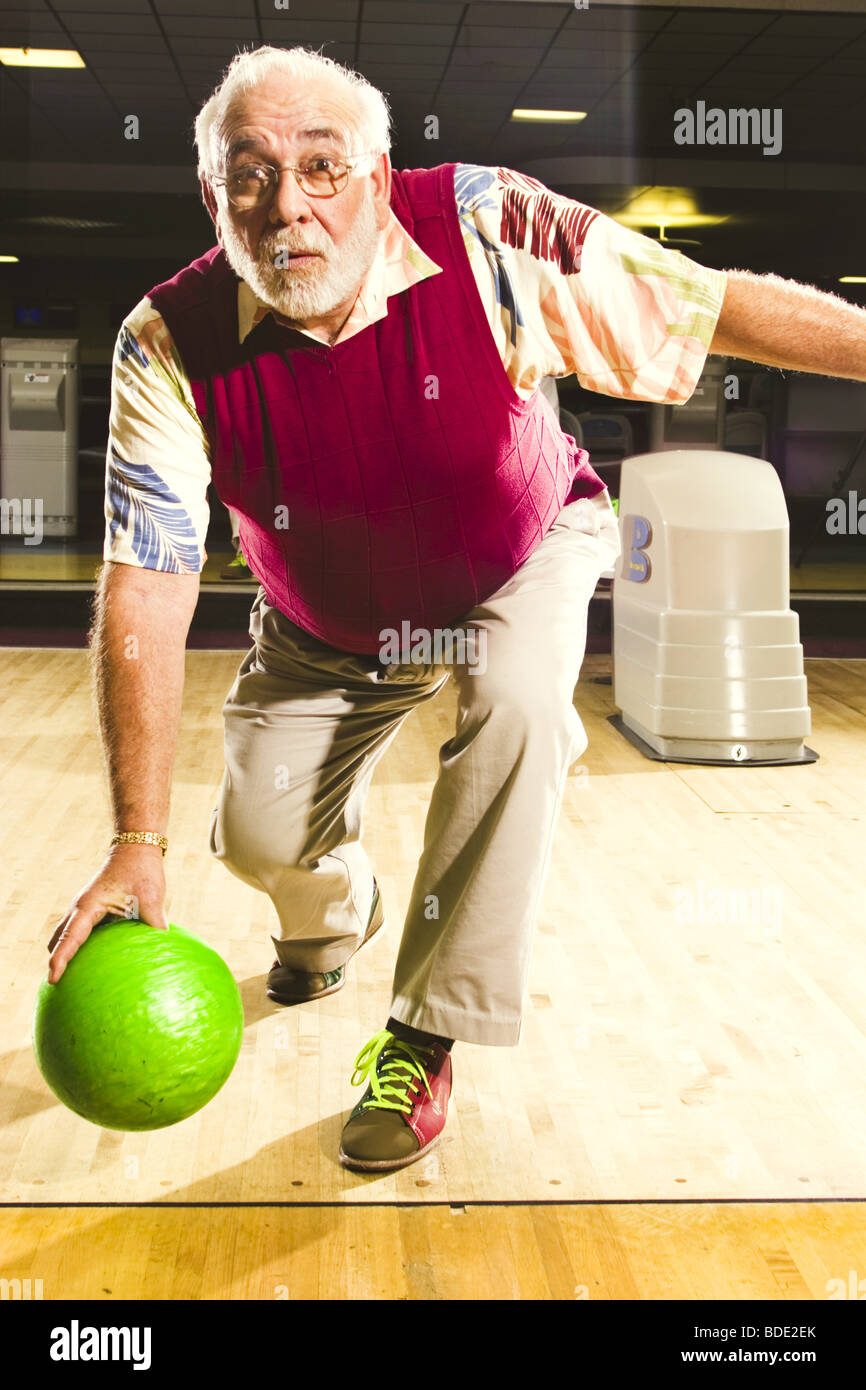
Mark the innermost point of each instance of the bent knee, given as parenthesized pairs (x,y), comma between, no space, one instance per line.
(251,845)
(516,696)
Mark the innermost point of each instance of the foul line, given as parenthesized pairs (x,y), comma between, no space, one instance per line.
(469,1202)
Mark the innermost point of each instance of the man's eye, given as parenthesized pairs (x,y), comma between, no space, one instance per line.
(249,171)
(320,164)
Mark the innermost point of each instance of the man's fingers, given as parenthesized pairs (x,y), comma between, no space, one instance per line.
(58,932)
(76,931)
(158,925)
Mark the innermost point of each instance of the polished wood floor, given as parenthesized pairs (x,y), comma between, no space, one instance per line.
(684,1117)
(615,1253)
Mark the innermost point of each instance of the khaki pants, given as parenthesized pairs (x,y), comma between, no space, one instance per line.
(306,724)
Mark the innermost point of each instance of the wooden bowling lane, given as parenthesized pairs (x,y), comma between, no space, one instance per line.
(684,1115)
(777,1251)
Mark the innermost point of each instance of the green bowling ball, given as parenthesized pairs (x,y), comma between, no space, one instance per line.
(141,1030)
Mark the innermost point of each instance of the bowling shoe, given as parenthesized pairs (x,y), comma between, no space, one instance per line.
(402,1114)
(289,986)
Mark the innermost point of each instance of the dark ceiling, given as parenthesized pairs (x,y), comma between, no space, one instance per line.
(800,213)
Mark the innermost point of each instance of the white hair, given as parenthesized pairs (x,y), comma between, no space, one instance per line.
(296,65)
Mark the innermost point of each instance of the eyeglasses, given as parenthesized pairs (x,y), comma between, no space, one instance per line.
(253,185)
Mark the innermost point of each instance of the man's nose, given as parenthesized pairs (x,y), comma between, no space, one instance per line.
(289,203)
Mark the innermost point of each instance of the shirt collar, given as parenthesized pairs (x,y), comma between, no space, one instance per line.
(399,263)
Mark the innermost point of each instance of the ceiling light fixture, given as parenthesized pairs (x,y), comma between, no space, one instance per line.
(41,58)
(528,113)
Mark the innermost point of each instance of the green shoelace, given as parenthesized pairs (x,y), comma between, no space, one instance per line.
(392,1081)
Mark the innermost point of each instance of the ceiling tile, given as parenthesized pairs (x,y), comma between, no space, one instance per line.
(69,9)
(305,33)
(540,16)
(409,34)
(399,11)
(719,21)
(238,9)
(113,46)
(81,25)
(504,35)
(221,27)
(388,53)
(843,26)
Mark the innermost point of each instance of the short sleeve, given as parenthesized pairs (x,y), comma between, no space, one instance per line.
(157,467)
(569,290)
(640,317)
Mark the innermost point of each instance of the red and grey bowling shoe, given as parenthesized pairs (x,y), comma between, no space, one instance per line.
(402,1114)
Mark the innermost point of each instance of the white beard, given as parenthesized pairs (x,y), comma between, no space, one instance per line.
(313,290)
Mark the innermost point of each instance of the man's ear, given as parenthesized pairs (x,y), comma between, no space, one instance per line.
(381,177)
(210,202)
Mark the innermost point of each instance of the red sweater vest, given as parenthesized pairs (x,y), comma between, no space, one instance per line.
(397,476)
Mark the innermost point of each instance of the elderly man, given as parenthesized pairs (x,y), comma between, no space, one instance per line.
(356,368)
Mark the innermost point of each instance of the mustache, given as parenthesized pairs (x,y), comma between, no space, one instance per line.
(273,246)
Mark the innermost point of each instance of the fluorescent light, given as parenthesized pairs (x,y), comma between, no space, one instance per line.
(41,58)
(528,113)
(8,260)
(852,279)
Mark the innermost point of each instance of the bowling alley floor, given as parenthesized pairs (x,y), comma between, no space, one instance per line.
(683,1118)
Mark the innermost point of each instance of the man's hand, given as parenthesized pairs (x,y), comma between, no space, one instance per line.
(132,877)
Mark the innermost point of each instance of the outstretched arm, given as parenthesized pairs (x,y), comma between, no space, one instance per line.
(784,324)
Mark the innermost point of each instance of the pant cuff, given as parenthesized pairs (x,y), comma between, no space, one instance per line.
(311,956)
(458,1024)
